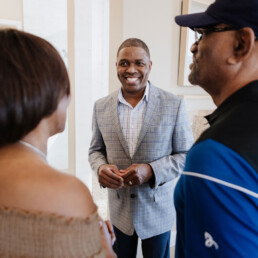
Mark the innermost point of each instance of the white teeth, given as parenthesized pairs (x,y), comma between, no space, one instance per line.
(132,79)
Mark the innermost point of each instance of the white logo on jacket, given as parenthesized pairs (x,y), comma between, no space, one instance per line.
(209,242)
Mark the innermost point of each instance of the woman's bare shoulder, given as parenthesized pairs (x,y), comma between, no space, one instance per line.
(68,195)
(28,182)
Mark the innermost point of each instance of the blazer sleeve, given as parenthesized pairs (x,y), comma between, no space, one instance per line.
(97,150)
(169,167)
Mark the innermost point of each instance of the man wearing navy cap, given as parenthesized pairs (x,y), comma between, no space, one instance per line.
(216,197)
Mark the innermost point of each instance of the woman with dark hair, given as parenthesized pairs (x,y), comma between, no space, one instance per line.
(43,212)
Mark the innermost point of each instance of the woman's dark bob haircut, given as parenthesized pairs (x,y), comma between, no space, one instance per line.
(33,78)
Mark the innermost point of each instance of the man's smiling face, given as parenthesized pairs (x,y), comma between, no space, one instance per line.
(133,68)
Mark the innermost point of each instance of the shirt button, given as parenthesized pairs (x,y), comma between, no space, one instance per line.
(132,195)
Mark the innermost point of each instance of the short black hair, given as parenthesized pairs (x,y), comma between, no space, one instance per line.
(33,79)
(134,42)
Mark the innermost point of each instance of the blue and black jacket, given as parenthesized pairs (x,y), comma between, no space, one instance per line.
(216,198)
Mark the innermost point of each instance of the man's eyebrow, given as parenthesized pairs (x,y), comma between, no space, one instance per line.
(127,60)
(123,60)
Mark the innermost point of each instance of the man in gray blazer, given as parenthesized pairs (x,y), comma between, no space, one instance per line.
(140,139)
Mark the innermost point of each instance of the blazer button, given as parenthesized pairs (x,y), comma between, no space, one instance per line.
(133,195)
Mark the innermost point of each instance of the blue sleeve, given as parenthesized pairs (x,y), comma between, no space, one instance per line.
(217,204)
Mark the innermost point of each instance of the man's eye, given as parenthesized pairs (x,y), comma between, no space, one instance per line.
(140,63)
(123,64)
(205,33)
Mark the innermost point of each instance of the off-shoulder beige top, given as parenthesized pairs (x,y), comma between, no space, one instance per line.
(33,234)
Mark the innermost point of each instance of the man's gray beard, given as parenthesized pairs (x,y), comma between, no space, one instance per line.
(192,78)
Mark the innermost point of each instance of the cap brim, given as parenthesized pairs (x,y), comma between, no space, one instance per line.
(195,20)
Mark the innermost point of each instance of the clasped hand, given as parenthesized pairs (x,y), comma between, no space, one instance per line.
(110,176)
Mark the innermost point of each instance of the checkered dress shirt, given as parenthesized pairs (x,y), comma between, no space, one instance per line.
(131,119)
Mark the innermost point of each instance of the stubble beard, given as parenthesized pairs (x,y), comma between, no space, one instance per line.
(193,76)
(196,80)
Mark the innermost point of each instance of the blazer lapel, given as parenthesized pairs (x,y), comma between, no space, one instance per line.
(117,126)
(150,116)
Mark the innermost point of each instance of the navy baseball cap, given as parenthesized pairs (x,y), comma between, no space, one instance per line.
(237,13)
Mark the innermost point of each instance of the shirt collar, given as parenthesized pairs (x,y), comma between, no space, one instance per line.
(248,92)
(145,96)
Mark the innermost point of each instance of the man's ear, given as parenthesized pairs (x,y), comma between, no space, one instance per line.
(150,65)
(243,45)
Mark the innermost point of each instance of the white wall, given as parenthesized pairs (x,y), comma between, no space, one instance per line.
(48,19)
(88,63)
(11,10)
(115,38)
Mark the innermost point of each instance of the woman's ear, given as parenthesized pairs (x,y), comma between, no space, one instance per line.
(243,45)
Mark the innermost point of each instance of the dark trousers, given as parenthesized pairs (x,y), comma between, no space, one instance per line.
(154,247)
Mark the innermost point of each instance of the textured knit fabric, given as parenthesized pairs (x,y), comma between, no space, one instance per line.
(216,197)
(131,119)
(164,140)
(31,234)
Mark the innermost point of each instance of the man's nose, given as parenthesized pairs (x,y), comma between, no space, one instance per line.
(131,68)
(194,47)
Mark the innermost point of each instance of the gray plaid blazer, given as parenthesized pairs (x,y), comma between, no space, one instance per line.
(163,142)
